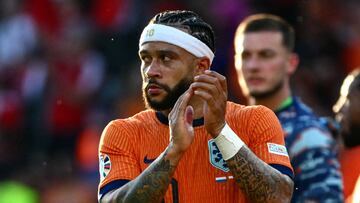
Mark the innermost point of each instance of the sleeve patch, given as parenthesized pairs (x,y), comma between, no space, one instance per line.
(104,166)
(277,149)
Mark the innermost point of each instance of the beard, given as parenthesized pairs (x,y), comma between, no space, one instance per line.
(352,137)
(172,94)
(267,93)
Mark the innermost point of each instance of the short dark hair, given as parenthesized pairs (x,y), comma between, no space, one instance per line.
(190,21)
(269,22)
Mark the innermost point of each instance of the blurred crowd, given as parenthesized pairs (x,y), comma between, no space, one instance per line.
(68,67)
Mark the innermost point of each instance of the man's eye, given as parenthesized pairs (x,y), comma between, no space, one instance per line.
(146,59)
(267,54)
(165,58)
(245,55)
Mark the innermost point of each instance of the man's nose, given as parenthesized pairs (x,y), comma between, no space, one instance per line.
(153,70)
(252,63)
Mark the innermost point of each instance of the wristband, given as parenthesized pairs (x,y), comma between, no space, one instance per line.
(228,142)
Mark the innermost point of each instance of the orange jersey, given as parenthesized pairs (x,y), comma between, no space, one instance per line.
(128,146)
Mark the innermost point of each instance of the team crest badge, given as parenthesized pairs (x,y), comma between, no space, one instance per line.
(105,166)
(216,158)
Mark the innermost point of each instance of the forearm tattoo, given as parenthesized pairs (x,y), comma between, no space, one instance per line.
(258,180)
(154,183)
(150,186)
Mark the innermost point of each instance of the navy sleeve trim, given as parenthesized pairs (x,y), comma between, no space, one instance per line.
(283,169)
(111,186)
(119,183)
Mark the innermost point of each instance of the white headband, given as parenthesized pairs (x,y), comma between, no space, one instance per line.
(171,35)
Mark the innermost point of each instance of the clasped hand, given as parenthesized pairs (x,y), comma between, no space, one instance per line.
(211,87)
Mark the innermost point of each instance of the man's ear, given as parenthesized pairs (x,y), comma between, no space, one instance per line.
(202,64)
(293,63)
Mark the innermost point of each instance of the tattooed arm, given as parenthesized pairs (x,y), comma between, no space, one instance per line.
(150,185)
(258,180)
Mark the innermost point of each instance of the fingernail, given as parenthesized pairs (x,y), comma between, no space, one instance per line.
(207,71)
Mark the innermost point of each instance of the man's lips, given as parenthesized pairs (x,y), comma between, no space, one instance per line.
(154,89)
(255,81)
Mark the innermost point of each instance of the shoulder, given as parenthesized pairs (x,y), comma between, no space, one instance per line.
(255,119)
(305,131)
(310,137)
(314,135)
(121,129)
(235,110)
(131,122)
(248,114)
(302,121)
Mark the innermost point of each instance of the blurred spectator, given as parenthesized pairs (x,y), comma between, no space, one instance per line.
(76,75)
(18,35)
(18,38)
(265,61)
(111,14)
(347,111)
(87,143)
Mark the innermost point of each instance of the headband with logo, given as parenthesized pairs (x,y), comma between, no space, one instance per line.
(171,35)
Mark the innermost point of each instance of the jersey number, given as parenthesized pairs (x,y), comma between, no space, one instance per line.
(175,189)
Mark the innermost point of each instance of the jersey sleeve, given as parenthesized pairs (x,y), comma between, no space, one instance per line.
(266,138)
(117,157)
(317,172)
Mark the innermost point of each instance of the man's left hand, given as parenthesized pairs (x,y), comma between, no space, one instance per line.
(212,88)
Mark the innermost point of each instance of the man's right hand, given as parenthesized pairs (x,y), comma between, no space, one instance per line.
(180,123)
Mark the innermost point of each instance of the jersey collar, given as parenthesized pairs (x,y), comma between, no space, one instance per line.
(164,120)
(286,103)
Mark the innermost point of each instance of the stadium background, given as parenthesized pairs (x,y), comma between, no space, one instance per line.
(67,67)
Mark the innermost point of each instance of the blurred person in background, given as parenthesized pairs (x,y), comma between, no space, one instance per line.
(205,159)
(347,110)
(265,60)
(18,39)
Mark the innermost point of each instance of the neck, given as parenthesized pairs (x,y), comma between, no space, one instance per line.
(274,101)
(197,105)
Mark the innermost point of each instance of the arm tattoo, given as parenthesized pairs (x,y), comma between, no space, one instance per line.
(149,186)
(155,181)
(258,180)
